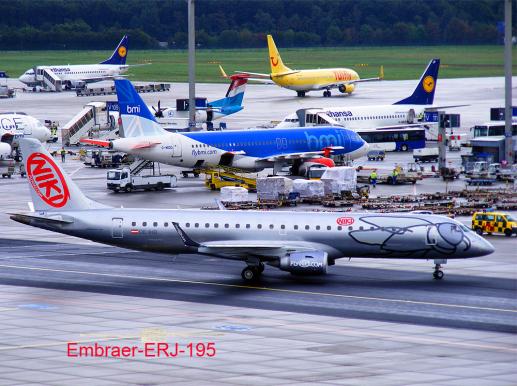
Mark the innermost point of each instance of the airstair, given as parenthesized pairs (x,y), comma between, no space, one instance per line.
(139,165)
(47,78)
(79,126)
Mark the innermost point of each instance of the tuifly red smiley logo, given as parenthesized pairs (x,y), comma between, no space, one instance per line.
(47,180)
(274,61)
(345,221)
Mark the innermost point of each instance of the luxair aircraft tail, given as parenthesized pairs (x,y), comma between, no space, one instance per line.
(277,66)
(235,94)
(51,189)
(120,53)
(424,91)
(137,119)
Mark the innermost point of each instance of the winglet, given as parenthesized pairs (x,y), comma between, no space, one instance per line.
(184,237)
(223,74)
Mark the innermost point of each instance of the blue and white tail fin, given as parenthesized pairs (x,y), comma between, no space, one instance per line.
(120,54)
(137,119)
(424,91)
(232,102)
(50,187)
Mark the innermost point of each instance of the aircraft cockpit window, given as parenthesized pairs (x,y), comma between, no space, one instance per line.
(464,228)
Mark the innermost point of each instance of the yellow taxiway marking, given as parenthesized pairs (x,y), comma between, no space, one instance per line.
(281,290)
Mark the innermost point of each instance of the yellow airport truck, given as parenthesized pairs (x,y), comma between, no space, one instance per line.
(494,222)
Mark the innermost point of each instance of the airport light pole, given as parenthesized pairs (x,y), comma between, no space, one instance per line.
(191,66)
(508,145)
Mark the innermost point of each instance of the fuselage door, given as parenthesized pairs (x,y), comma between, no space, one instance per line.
(117,228)
(176,147)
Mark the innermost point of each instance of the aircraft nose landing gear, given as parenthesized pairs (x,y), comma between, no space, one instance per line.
(438,273)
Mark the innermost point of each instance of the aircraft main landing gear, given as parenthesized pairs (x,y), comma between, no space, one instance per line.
(300,94)
(252,273)
(327,94)
(438,273)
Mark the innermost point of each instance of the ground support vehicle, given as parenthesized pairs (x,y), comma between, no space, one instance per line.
(494,222)
(123,180)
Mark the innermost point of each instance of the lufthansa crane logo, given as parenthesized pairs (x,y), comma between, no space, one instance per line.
(428,83)
(274,61)
(122,51)
(47,180)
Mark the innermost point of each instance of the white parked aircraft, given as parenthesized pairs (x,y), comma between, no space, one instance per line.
(77,75)
(406,112)
(14,126)
(303,243)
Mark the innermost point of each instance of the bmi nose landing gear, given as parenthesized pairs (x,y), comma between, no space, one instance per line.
(252,273)
(438,273)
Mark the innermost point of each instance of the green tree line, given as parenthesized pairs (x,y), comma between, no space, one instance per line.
(98,24)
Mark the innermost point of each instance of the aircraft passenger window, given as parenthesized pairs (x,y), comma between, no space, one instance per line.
(187,225)
(207,225)
(282,226)
(216,225)
(237,225)
(350,228)
(155,224)
(166,224)
(329,227)
(226,225)
(196,225)
(317,227)
(271,226)
(144,224)
(339,227)
(296,227)
(361,228)
(307,227)
(247,226)
(259,226)
(133,224)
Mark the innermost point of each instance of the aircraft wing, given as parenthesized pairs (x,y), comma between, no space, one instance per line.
(258,74)
(235,249)
(306,155)
(434,108)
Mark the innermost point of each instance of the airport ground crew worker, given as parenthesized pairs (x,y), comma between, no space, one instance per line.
(394,175)
(63,154)
(373,178)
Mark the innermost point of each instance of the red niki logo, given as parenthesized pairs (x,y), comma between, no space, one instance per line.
(47,180)
(345,221)
(274,61)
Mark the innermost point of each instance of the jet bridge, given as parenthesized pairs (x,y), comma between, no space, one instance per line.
(48,79)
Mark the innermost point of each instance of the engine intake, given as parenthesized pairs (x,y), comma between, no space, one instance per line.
(305,263)
(346,88)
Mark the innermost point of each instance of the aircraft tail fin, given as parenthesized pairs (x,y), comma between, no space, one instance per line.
(120,54)
(277,66)
(424,91)
(137,119)
(51,188)
(235,94)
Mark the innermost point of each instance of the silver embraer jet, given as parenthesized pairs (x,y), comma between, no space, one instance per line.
(298,242)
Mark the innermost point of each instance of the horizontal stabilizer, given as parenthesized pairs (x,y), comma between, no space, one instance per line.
(27,218)
(96,142)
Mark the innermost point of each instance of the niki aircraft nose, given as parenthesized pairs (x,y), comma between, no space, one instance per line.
(481,247)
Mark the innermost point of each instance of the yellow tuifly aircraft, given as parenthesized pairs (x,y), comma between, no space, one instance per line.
(302,81)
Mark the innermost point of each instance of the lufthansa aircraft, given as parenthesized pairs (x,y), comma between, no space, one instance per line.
(302,81)
(14,126)
(243,149)
(400,113)
(77,75)
(303,243)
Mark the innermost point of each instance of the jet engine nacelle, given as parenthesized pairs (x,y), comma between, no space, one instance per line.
(5,150)
(346,88)
(305,263)
(304,167)
(203,116)
(76,84)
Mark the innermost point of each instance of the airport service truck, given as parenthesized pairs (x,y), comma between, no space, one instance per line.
(123,180)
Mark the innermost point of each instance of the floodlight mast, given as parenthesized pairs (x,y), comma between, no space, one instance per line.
(191,65)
